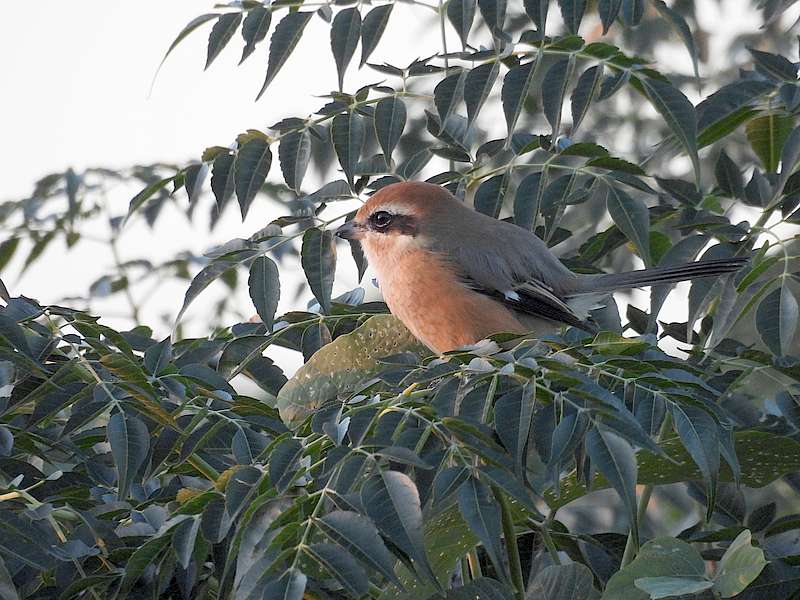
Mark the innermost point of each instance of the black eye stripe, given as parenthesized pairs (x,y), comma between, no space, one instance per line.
(384,222)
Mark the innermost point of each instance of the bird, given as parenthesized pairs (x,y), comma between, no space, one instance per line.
(455,276)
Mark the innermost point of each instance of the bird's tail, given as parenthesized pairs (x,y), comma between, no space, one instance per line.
(656,275)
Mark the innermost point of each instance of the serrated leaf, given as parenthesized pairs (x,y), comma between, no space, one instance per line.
(699,433)
(283,41)
(584,93)
(390,121)
(741,564)
(221,34)
(678,113)
(461,14)
(130,442)
(554,88)
(478,86)
(345,33)
(372,29)
(253,161)
(264,286)
(631,216)
(254,29)
(572,13)
(767,135)
(776,320)
(391,500)
(318,259)
(347,133)
(294,153)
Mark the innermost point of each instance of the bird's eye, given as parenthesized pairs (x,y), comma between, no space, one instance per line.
(381,219)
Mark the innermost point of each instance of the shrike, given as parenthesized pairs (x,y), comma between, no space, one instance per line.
(455,276)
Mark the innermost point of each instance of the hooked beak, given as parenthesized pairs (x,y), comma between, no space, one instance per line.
(349,231)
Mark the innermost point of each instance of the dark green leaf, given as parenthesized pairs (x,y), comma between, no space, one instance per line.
(478,86)
(537,11)
(516,86)
(554,88)
(729,177)
(342,567)
(573,581)
(139,199)
(699,433)
(130,442)
(494,13)
(184,537)
(631,216)
(222,179)
(348,134)
(448,93)
(513,417)
(775,65)
(264,286)
(482,513)
(767,136)
(572,13)
(291,585)
(318,258)
(678,23)
(250,172)
(294,152)
(790,155)
(158,356)
(143,557)
(527,201)
(345,33)
(608,9)
(481,588)
(461,14)
(284,39)
(584,93)
(283,463)
(221,34)
(8,590)
(190,27)
(614,458)
(490,195)
(372,29)
(254,29)
(632,12)
(390,120)
(776,320)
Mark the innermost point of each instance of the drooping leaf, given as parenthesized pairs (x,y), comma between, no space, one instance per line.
(554,88)
(130,442)
(391,500)
(741,564)
(318,258)
(699,433)
(254,29)
(348,134)
(478,86)
(265,288)
(390,120)
(608,9)
(537,11)
(631,216)
(461,14)
(572,13)
(775,65)
(767,135)
(679,114)
(221,34)
(223,179)
(513,418)
(678,23)
(345,33)
(190,27)
(584,93)
(372,29)
(294,153)
(494,13)
(253,161)
(481,512)
(139,199)
(283,41)
(776,320)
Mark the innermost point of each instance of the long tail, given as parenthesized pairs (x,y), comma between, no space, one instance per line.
(656,275)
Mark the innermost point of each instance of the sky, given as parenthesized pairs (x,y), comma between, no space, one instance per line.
(76,93)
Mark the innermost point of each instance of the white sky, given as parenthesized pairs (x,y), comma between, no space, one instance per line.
(75,81)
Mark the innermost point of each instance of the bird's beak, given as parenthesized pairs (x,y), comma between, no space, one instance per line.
(349,231)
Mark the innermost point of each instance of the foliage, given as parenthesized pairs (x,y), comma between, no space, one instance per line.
(138,464)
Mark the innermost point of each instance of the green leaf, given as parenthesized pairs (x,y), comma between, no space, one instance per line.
(372,29)
(264,285)
(461,14)
(516,86)
(490,195)
(557,582)
(678,113)
(554,88)
(221,34)
(184,538)
(318,258)
(254,29)
(631,216)
(291,585)
(661,557)
(668,587)
(190,27)
(481,588)
(741,564)
(776,320)
(528,200)
(15,335)
(143,557)
(572,13)
(253,161)
(222,179)
(339,366)
(283,41)
(360,537)
(478,86)
(729,176)
(448,93)
(790,155)
(614,458)
(294,153)
(391,500)
(678,23)
(139,199)
(345,33)
(775,65)
(494,13)
(632,12)
(513,417)
(283,463)
(584,93)
(390,120)
(347,133)
(130,442)
(481,512)
(698,431)
(342,567)
(608,9)
(767,136)
(8,590)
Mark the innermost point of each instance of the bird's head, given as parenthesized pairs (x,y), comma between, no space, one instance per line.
(398,217)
